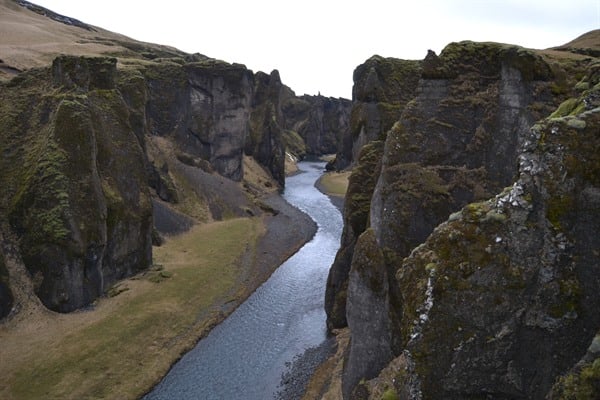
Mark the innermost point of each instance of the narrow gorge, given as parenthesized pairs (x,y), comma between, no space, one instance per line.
(151,197)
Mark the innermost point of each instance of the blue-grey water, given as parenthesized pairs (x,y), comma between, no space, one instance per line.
(244,356)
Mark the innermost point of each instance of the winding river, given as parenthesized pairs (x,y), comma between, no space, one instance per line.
(246,355)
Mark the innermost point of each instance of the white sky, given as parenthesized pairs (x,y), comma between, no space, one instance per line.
(316,44)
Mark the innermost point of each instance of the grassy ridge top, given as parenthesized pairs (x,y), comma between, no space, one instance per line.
(30,39)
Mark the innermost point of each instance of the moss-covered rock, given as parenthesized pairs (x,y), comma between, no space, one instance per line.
(382,86)
(320,121)
(500,300)
(465,136)
(265,142)
(356,219)
(76,195)
(583,380)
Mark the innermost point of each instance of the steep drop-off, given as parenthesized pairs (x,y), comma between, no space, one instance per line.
(102,155)
(478,305)
(320,122)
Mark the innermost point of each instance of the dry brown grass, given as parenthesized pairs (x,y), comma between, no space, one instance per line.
(589,40)
(29,40)
(256,176)
(128,342)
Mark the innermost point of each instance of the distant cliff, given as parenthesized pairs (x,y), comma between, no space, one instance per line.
(321,122)
(466,267)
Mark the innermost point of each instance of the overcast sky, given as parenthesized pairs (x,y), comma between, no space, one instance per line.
(316,44)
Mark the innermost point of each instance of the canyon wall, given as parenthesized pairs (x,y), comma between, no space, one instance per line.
(466,248)
(95,156)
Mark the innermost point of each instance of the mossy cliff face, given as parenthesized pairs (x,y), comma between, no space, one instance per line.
(504,295)
(463,138)
(76,196)
(356,219)
(382,86)
(83,142)
(320,121)
(583,380)
(265,141)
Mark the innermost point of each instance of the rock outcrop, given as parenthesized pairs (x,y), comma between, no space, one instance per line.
(357,204)
(76,193)
(204,106)
(502,298)
(382,86)
(320,121)
(87,146)
(504,288)
(265,142)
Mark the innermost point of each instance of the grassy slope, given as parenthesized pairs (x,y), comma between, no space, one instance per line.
(28,40)
(105,354)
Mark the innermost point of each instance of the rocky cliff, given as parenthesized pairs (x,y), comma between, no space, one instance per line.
(382,86)
(505,281)
(74,181)
(321,122)
(92,153)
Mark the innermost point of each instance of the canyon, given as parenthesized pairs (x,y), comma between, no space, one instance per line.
(469,262)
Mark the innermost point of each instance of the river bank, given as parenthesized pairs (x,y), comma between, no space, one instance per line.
(334,185)
(310,374)
(279,332)
(123,345)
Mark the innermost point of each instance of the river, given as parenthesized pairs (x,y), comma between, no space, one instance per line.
(246,355)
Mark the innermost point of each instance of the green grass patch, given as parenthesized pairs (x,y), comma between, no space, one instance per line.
(123,352)
(335,183)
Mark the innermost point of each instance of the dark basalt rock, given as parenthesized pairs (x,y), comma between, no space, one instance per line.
(512,287)
(84,73)
(77,197)
(6,296)
(321,122)
(382,86)
(77,169)
(264,142)
(502,298)
(55,16)
(356,220)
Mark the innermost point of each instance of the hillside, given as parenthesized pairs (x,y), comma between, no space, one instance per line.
(33,39)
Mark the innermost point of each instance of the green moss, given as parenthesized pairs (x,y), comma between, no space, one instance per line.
(361,185)
(582,385)
(463,57)
(576,123)
(568,299)
(389,394)
(369,262)
(568,107)
(294,143)
(581,86)
(42,204)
